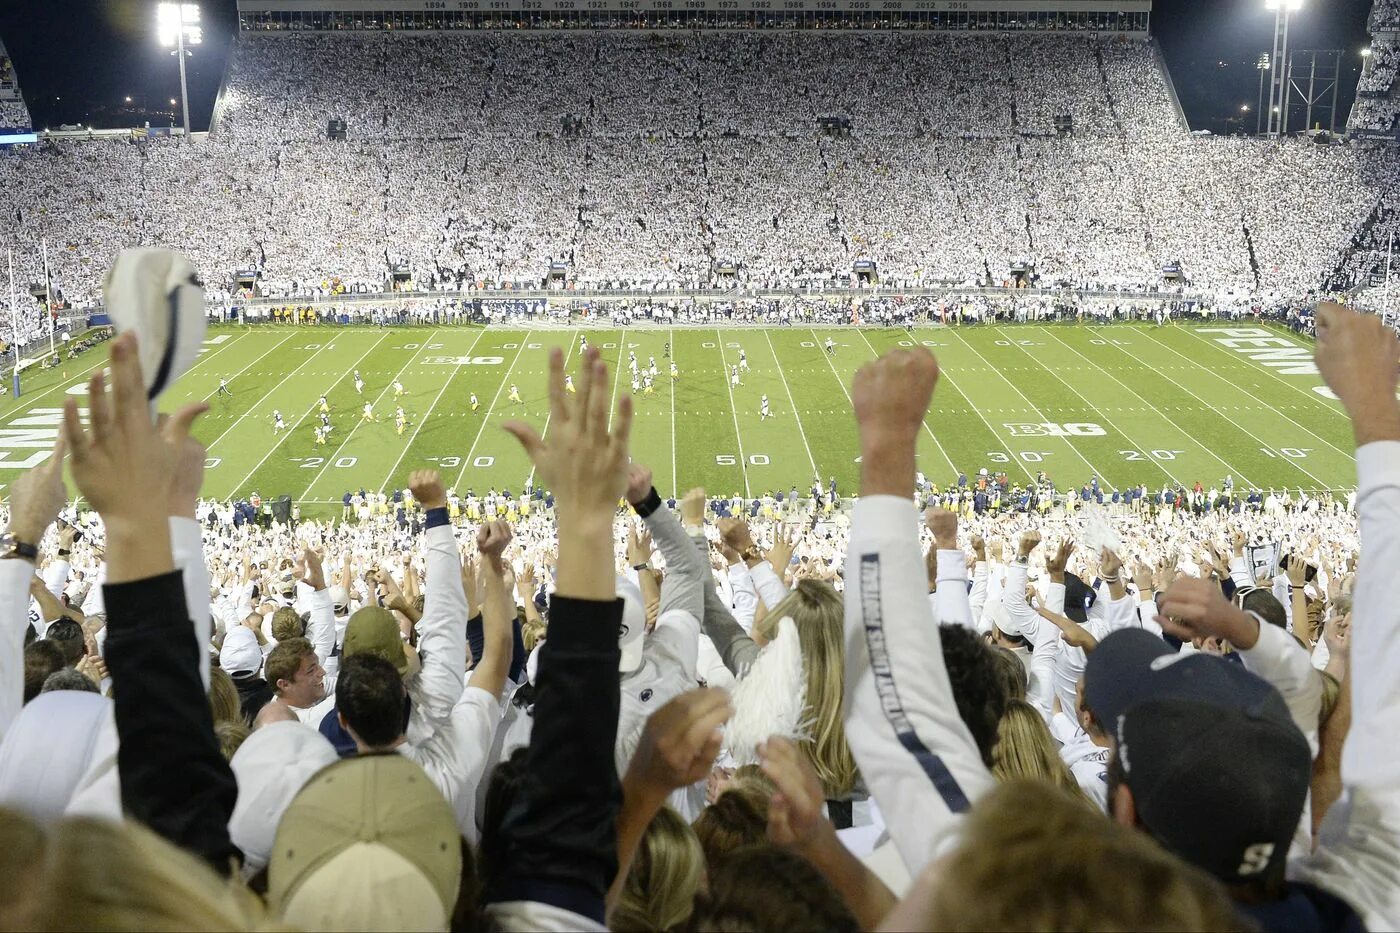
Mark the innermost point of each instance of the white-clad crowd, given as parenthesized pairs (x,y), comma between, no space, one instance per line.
(614,710)
(697,162)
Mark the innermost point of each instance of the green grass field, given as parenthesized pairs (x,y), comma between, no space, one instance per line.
(1134,404)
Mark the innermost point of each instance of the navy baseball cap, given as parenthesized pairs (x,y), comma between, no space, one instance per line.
(1218,770)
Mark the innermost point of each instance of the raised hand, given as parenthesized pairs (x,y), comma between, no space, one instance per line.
(491,541)
(638,484)
(679,743)
(795,818)
(891,396)
(944,525)
(735,534)
(1029,542)
(37,497)
(122,457)
(584,462)
(1058,560)
(427,489)
(1359,357)
(639,547)
(693,508)
(314,573)
(1193,608)
(784,544)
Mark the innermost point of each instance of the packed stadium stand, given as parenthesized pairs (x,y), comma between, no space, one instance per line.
(14,115)
(654,159)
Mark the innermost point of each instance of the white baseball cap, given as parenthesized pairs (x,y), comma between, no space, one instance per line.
(156,294)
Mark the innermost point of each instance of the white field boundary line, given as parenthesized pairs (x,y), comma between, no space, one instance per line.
(1350,455)
(816,474)
(943,374)
(1226,419)
(544,433)
(733,410)
(288,433)
(617,377)
(1229,467)
(423,420)
(413,358)
(1038,413)
(268,395)
(1096,410)
(675,477)
(490,410)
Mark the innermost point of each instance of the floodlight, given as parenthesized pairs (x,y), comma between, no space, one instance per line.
(1288,6)
(174,18)
(1366,53)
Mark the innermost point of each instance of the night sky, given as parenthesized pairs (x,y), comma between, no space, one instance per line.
(78,60)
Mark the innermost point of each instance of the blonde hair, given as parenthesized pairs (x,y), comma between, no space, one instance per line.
(231,736)
(1025,749)
(531,632)
(1010,871)
(668,870)
(819,615)
(224,702)
(97,875)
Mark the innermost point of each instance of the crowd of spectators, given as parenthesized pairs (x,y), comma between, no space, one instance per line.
(658,162)
(601,708)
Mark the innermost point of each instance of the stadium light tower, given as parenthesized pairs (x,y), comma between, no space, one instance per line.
(178,25)
(1263,66)
(1283,10)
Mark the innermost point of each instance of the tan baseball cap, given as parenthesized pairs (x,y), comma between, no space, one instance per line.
(368,844)
(372,630)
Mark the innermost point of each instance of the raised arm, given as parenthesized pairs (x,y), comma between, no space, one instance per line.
(683,590)
(913,749)
(187,543)
(442,632)
(950,570)
(173,776)
(1358,850)
(320,627)
(35,501)
(497,612)
(558,836)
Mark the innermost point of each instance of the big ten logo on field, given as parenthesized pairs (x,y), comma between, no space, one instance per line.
(1050,429)
(464,360)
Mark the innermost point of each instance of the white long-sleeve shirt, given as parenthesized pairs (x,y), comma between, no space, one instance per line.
(916,754)
(1357,855)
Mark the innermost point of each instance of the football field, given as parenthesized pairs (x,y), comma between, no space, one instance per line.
(1130,403)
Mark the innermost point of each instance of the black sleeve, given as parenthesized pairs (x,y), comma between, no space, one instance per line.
(174,778)
(559,833)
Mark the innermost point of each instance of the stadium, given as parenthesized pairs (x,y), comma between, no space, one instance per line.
(929,409)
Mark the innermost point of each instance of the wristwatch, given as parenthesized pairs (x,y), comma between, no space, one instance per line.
(10,546)
(752,553)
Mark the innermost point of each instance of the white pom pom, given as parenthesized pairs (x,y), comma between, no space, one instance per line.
(770,698)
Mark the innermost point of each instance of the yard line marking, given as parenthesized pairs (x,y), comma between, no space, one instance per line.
(816,474)
(1095,470)
(1350,455)
(288,433)
(743,460)
(617,377)
(250,408)
(398,376)
(1093,409)
(943,373)
(1222,414)
(424,419)
(675,479)
(486,418)
(1221,460)
(529,483)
